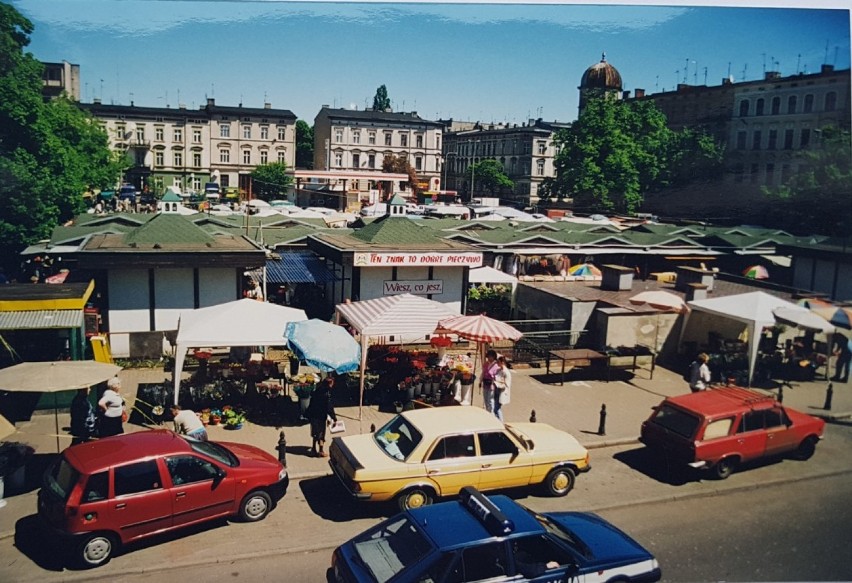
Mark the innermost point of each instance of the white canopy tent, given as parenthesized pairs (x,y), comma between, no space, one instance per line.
(403,317)
(245,322)
(754,309)
(486,275)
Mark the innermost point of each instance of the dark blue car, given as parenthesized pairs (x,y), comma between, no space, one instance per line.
(479,538)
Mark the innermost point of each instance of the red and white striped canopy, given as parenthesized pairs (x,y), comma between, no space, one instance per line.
(479,328)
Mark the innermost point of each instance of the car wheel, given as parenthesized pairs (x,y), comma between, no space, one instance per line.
(724,468)
(96,549)
(255,506)
(414,498)
(806,449)
(559,481)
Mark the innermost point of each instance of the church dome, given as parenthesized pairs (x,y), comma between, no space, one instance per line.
(601,75)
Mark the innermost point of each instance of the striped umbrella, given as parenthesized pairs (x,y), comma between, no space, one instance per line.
(584,269)
(756,272)
(479,328)
(835,315)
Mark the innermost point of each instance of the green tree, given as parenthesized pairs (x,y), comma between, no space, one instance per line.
(489,175)
(270,181)
(399,165)
(617,151)
(381,101)
(304,145)
(818,199)
(50,152)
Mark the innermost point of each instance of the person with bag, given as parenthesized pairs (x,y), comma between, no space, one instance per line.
(489,370)
(699,373)
(83,419)
(113,413)
(318,412)
(502,386)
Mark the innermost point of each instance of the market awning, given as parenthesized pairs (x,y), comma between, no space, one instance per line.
(296,267)
(41,319)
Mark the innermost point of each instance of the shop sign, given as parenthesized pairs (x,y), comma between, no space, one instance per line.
(418,259)
(418,287)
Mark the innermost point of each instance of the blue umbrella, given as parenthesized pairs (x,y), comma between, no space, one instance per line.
(323,345)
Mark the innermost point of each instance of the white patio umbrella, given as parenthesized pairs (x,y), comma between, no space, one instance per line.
(663,301)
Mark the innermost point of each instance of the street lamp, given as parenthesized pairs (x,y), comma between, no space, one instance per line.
(473,168)
(446,163)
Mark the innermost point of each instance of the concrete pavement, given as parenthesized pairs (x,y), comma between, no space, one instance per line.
(574,407)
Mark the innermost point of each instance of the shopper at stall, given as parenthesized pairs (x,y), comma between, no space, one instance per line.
(188,423)
(112,409)
(699,373)
(502,386)
(843,352)
(83,419)
(489,370)
(318,412)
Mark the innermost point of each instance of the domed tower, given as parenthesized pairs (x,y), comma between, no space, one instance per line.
(601,79)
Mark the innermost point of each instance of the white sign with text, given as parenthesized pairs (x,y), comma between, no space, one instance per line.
(418,287)
(418,259)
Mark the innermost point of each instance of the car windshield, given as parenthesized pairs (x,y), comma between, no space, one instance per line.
(564,534)
(60,478)
(214,450)
(398,438)
(391,547)
(676,421)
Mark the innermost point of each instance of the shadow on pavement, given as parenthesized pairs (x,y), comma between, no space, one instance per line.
(329,501)
(30,538)
(656,467)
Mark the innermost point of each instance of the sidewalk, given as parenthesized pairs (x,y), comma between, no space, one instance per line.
(574,407)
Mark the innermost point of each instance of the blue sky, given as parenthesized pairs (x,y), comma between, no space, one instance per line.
(488,61)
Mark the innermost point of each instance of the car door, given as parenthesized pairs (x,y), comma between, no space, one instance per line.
(781,437)
(751,436)
(503,463)
(140,505)
(452,463)
(200,489)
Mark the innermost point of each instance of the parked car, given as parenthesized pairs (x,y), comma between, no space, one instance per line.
(720,428)
(211,190)
(424,454)
(106,493)
(492,538)
(127,192)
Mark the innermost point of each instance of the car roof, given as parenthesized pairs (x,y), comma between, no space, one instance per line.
(722,400)
(450,524)
(98,455)
(436,421)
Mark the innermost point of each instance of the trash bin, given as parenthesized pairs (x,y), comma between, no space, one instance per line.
(13,465)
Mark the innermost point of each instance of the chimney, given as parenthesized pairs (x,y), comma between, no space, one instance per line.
(688,275)
(267,106)
(640,93)
(771,75)
(616,278)
(695,291)
(211,102)
(625,94)
(96,100)
(826,68)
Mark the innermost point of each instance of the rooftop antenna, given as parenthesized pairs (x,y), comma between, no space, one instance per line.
(213,90)
(657,83)
(686,71)
(705,75)
(729,69)
(677,77)
(695,75)
(835,55)
(798,62)
(745,71)
(825,59)
(102,89)
(764,64)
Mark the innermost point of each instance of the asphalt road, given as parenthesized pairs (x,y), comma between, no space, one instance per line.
(316,515)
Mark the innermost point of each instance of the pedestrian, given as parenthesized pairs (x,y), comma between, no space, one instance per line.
(699,373)
(253,291)
(320,410)
(83,419)
(502,386)
(188,423)
(489,370)
(113,412)
(843,353)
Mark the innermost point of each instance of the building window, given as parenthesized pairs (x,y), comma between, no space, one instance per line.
(770,174)
(356,137)
(753,175)
(159,159)
(338,136)
(744,108)
(225,156)
(282,156)
(158,134)
(403,140)
(418,163)
(804,137)
(418,140)
(542,148)
(264,132)
(785,173)
(196,136)
(264,156)
(246,132)
(119,132)
(776,105)
(830,101)
(539,167)
(140,134)
(773,140)
(755,140)
(809,103)
(178,159)
(247,157)
(759,107)
(371,138)
(788,139)
(178,136)
(791,104)
(282,132)
(371,161)
(741,140)
(739,171)
(196,159)
(224,130)
(338,160)
(356,161)
(388,139)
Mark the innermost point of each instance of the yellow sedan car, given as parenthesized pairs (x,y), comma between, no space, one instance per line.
(425,454)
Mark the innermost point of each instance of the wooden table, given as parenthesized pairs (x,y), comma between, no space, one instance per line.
(575,357)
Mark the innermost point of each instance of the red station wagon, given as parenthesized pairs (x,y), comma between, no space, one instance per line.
(720,428)
(127,487)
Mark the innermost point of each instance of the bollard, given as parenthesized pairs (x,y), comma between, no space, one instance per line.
(602,423)
(532,416)
(829,393)
(282,449)
(372,427)
(780,393)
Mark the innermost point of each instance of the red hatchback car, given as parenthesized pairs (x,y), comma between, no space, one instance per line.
(720,428)
(102,494)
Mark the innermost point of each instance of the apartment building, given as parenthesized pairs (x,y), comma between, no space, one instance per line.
(59,78)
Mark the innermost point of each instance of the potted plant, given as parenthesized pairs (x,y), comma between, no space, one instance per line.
(233,419)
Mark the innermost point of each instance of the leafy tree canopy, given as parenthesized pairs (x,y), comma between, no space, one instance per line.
(50,152)
(817,199)
(270,181)
(304,145)
(489,175)
(399,165)
(381,101)
(617,151)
